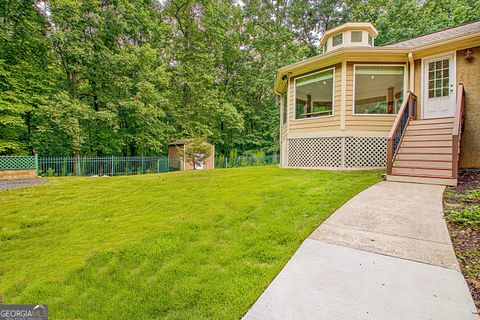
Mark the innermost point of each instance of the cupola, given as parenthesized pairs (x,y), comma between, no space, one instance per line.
(351,34)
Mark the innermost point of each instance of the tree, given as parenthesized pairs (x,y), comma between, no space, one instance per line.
(196,152)
(125,77)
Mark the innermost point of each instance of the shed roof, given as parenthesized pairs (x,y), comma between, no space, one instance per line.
(438,36)
(177,143)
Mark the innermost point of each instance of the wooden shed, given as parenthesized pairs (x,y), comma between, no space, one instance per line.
(176,156)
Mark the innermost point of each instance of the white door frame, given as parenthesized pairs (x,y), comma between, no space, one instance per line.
(453,77)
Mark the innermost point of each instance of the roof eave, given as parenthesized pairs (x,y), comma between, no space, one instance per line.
(337,56)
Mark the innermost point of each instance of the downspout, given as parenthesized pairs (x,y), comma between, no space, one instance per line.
(411,72)
(411,85)
(280,95)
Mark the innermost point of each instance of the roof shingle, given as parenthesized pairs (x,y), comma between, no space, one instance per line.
(438,36)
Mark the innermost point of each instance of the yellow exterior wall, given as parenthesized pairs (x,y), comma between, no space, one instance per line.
(331,123)
(468,73)
(357,123)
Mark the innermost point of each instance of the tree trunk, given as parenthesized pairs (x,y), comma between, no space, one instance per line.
(76,155)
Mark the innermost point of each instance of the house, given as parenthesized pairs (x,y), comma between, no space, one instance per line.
(177,159)
(412,107)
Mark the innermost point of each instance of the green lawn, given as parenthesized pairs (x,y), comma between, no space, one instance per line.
(185,245)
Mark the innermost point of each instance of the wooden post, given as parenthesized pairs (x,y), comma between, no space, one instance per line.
(389,155)
(76,154)
(455,156)
(36,164)
(390,100)
(309,104)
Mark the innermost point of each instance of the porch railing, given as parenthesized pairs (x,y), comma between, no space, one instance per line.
(458,129)
(405,114)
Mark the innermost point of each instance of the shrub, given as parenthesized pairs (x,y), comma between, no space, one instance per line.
(469,215)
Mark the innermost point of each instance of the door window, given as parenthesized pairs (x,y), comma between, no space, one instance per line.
(439,78)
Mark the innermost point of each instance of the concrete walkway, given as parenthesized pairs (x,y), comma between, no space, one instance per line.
(385,254)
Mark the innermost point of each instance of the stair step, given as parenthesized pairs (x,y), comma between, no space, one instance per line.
(423,172)
(430,126)
(437,137)
(430,132)
(423,179)
(439,143)
(420,156)
(425,150)
(431,121)
(426,164)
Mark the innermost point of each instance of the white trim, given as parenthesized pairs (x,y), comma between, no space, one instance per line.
(422,77)
(284,109)
(337,168)
(378,65)
(295,95)
(343,106)
(327,134)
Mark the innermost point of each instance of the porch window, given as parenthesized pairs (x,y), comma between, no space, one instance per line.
(370,40)
(284,108)
(337,39)
(314,95)
(378,89)
(357,36)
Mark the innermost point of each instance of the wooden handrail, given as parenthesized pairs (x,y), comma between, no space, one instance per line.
(457,129)
(398,119)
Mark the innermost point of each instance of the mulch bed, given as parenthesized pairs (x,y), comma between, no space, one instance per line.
(20,183)
(465,234)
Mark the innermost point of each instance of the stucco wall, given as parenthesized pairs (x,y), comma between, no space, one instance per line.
(468,73)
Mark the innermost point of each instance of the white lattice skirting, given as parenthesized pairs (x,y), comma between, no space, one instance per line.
(337,152)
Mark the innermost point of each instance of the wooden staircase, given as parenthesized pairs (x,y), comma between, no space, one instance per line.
(425,153)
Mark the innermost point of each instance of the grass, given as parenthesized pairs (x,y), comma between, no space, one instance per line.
(185,245)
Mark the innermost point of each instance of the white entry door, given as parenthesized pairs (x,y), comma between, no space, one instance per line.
(439,87)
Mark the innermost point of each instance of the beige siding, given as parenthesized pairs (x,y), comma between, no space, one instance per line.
(468,74)
(316,124)
(353,123)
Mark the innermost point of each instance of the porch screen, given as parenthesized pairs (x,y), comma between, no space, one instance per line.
(314,95)
(378,89)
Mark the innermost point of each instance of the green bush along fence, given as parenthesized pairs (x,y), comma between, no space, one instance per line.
(246,161)
(110,166)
